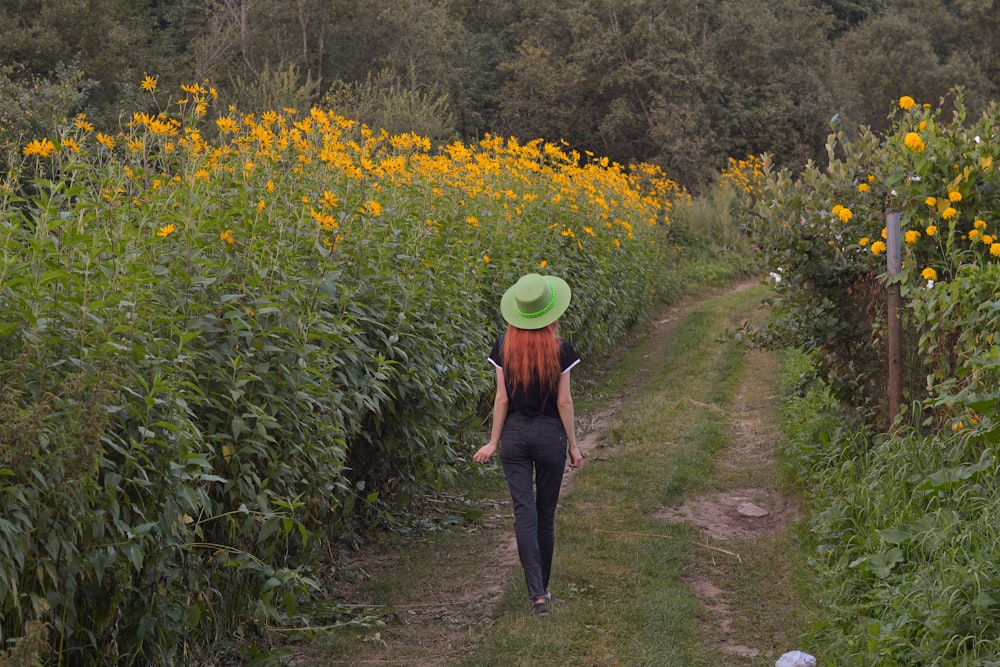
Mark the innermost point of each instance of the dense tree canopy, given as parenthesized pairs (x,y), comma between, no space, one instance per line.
(683,84)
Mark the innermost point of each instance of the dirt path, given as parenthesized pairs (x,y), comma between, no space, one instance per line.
(744,509)
(462,580)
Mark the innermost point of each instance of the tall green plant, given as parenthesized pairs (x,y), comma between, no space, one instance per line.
(227,343)
(822,232)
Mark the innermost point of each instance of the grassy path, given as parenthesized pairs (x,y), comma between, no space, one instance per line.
(674,541)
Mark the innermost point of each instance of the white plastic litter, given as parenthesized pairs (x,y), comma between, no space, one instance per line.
(796,659)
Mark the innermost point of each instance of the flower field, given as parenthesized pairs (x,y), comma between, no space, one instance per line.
(227,339)
(903,523)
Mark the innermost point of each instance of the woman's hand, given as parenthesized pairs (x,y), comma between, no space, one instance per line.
(485,452)
(575,457)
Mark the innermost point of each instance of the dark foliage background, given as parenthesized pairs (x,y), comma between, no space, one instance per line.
(681,84)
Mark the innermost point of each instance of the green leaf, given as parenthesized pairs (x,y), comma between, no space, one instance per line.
(895,535)
(881,565)
(270,527)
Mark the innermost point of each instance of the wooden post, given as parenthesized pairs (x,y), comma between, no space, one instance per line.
(894,265)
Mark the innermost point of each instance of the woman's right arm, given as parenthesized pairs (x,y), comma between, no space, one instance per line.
(565,403)
(499,416)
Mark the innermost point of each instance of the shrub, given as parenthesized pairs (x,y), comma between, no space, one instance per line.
(227,342)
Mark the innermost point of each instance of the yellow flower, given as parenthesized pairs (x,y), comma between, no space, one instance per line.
(845,214)
(906,102)
(931,201)
(543,263)
(911,236)
(954,196)
(878,247)
(913,141)
(486,258)
(70,144)
(270,186)
(949,213)
(931,230)
(987,239)
(929,274)
(863,241)
(166,231)
(373,208)
(228,237)
(149,83)
(329,199)
(40,147)
(227,125)
(260,206)
(995,249)
(862,187)
(885,234)
(327,221)
(979,224)
(82,123)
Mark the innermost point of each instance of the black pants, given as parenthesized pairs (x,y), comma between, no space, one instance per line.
(533,453)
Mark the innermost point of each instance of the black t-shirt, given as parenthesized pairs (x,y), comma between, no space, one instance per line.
(534,402)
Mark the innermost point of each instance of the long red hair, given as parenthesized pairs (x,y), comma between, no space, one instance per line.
(531,357)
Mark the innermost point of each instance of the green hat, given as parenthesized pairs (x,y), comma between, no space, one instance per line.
(535,301)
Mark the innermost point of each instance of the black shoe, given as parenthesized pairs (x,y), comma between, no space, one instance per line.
(540,608)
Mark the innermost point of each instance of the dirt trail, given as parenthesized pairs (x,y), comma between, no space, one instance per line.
(455,602)
(745,511)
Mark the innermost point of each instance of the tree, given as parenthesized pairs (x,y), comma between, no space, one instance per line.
(104,37)
(541,96)
(891,56)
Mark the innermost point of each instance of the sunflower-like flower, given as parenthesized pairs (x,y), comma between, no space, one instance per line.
(913,141)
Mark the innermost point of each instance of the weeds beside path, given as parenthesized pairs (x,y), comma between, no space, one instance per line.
(674,542)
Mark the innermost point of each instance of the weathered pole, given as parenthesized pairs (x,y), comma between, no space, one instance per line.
(894,265)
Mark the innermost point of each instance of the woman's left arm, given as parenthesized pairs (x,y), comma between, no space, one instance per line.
(500,402)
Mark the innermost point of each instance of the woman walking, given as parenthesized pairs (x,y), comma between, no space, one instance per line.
(533,419)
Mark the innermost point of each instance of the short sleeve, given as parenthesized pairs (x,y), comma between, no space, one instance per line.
(568,358)
(496,355)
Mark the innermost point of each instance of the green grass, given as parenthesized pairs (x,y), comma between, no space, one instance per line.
(623,572)
(620,568)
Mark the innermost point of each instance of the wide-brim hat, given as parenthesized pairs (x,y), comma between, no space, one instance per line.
(535,301)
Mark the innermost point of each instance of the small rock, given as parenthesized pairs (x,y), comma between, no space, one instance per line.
(749,509)
(796,659)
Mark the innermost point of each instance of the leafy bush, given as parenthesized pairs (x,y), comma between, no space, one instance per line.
(903,522)
(31,105)
(226,343)
(822,231)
